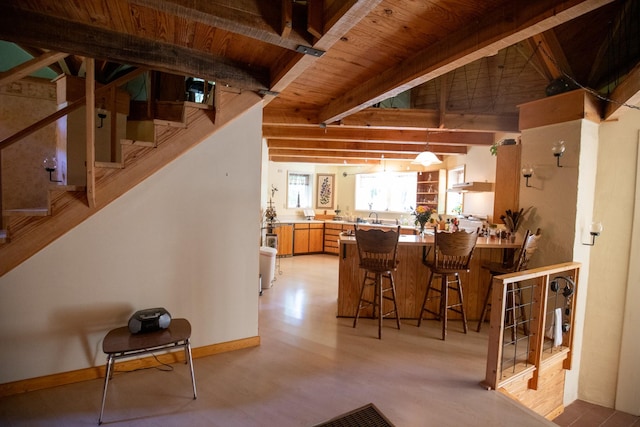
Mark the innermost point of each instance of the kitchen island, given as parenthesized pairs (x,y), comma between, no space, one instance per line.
(412,275)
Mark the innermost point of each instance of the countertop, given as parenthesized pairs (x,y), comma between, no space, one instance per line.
(390,224)
(410,240)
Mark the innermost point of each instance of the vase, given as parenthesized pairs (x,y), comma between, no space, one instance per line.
(421,233)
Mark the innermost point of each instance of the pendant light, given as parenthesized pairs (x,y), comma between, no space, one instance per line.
(427,158)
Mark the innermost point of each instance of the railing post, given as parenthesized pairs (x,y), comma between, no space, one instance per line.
(544,305)
(90,86)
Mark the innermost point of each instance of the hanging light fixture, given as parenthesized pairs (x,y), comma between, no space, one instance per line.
(427,158)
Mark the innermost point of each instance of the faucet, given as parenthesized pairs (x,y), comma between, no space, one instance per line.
(375,221)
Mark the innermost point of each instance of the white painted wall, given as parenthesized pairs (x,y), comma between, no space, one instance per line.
(597,182)
(480,166)
(610,373)
(278,178)
(185,239)
(562,200)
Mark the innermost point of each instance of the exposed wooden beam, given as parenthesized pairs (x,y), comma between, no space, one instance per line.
(337,23)
(332,161)
(378,147)
(442,110)
(429,119)
(551,55)
(398,118)
(513,23)
(240,17)
(35,52)
(287,18)
(627,92)
(26,27)
(337,133)
(28,67)
(389,155)
(600,59)
(315,17)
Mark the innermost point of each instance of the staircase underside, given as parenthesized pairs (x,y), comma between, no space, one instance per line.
(29,234)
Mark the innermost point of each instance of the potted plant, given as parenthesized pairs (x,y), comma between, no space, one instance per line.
(513,219)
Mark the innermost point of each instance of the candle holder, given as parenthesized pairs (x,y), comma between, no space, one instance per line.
(558,150)
(594,231)
(527,172)
(50,164)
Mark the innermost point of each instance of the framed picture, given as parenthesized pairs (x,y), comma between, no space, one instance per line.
(326,190)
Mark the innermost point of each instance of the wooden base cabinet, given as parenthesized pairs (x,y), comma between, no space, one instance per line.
(285,239)
(331,234)
(308,238)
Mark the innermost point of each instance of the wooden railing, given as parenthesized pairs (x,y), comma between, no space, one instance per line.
(532,328)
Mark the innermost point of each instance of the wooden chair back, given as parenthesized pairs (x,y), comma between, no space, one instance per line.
(377,249)
(528,248)
(453,251)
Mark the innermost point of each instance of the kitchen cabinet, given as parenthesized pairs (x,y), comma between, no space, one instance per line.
(285,239)
(308,238)
(430,190)
(331,234)
(507,186)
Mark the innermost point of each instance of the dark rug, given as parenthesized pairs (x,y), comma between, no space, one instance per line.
(367,416)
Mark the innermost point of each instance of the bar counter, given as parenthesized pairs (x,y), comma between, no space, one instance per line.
(412,275)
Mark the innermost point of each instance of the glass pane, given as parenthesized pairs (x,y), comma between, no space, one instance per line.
(386,191)
(299,190)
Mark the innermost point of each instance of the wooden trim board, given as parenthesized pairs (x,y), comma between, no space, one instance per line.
(95,372)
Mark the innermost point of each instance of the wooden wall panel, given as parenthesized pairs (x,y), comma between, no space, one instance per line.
(411,282)
(574,105)
(507,186)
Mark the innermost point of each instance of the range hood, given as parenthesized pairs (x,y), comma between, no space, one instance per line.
(469,187)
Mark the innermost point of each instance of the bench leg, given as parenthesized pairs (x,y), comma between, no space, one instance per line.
(190,361)
(106,384)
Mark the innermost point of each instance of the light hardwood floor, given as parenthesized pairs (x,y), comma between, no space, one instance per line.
(310,367)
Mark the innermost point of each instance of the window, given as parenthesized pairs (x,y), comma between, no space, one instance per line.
(299,188)
(386,191)
(454,199)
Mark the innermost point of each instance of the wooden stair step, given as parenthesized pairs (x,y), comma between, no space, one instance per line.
(137,143)
(67,188)
(170,123)
(109,165)
(26,212)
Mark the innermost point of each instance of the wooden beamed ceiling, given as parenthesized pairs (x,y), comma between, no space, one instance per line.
(327,69)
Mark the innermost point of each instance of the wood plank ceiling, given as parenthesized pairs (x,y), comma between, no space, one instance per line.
(348,81)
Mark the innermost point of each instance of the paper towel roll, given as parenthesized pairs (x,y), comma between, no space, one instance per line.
(557,328)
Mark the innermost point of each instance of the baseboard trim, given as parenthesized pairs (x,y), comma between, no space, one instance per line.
(63,378)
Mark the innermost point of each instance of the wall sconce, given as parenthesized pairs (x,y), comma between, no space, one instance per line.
(527,172)
(558,151)
(594,231)
(102,114)
(50,164)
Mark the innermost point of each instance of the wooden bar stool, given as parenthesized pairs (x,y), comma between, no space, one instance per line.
(526,251)
(452,255)
(378,254)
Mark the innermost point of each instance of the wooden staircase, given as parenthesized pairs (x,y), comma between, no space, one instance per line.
(27,231)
